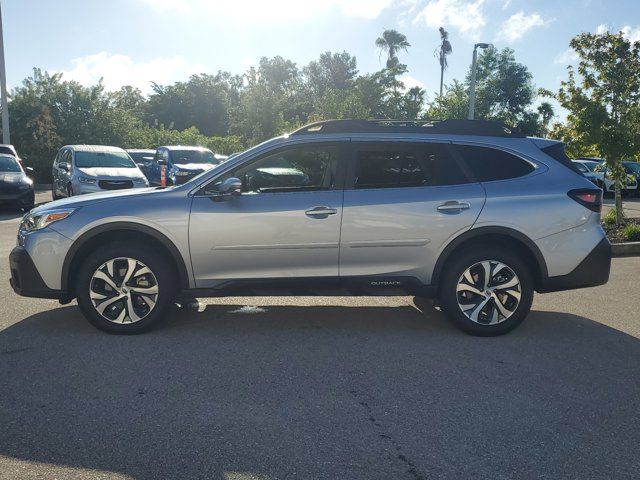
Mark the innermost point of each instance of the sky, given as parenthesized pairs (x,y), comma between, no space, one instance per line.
(135,42)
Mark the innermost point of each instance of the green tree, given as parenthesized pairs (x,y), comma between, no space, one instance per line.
(603,97)
(443,51)
(392,42)
(545,109)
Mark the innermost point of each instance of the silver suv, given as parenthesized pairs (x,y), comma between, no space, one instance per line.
(466,212)
(79,169)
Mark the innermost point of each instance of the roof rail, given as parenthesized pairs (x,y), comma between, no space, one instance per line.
(489,128)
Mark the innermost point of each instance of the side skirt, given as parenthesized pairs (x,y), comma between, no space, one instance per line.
(325,287)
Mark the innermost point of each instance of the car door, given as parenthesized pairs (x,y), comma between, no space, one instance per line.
(402,203)
(284,224)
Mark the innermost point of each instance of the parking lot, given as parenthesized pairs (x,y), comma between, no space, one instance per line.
(322,388)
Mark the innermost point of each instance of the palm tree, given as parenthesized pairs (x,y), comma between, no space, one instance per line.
(546,112)
(443,51)
(392,42)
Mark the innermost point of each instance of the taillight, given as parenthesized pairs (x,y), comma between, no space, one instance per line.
(588,197)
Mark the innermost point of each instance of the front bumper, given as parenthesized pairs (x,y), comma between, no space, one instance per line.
(25,278)
(591,272)
(22,198)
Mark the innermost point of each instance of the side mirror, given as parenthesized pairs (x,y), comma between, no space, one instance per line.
(29,170)
(230,187)
(63,166)
(140,165)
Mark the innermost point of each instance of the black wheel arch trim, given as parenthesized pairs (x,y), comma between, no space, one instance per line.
(107,227)
(489,230)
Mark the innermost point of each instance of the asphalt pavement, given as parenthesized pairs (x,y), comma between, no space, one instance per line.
(323,388)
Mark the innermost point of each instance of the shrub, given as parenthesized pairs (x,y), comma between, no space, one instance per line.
(610,218)
(631,233)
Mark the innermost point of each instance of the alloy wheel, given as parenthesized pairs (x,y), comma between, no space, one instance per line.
(123,290)
(488,292)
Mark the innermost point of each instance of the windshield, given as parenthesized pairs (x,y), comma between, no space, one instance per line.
(193,156)
(104,159)
(633,166)
(141,157)
(582,168)
(9,164)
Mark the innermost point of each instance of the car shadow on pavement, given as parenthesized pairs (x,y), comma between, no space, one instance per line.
(320,392)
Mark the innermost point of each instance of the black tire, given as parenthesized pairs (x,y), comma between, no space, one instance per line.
(69,191)
(164,277)
(54,195)
(466,259)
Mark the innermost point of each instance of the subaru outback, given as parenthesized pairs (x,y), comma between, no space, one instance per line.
(469,213)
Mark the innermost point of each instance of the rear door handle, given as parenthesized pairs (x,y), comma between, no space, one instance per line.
(453,206)
(321,211)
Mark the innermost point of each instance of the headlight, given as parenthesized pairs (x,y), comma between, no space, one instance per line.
(37,221)
(86,180)
(180,173)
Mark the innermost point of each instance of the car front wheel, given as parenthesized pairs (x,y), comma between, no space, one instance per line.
(125,289)
(486,291)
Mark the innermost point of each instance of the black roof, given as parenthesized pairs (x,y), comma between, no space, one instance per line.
(452,127)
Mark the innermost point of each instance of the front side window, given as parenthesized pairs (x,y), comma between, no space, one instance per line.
(490,164)
(104,159)
(304,168)
(399,166)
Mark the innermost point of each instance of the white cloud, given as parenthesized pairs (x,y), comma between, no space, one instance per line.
(632,34)
(117,70)
(567,57)
(274,10)
(410,82)
(518,24)
(467,16)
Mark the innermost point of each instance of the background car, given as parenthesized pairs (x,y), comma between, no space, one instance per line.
(16,188)
(79,169)
(143,157)
(586,168)
(175,165)
(608,185)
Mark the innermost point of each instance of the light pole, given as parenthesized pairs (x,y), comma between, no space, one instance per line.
(472,88)
(6,138)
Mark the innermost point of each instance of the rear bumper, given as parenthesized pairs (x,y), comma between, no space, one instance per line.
(25,278)
(591,272)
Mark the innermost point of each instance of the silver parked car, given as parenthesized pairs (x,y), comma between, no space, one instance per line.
(79,169)
(467,212)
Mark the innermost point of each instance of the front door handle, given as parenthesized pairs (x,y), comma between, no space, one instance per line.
(320,212)
(453,206)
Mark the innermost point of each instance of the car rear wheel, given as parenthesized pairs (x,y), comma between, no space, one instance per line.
(486,291)
(125,289)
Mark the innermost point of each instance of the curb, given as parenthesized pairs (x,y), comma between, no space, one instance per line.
(627,249)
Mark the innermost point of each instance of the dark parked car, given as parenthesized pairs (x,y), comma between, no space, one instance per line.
(175,165)
(142,157)
(16,188)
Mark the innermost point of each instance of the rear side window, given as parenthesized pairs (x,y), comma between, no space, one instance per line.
(398,166)
(489,164)
(556,151)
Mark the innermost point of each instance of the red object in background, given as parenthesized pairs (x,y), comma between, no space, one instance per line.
(163,176)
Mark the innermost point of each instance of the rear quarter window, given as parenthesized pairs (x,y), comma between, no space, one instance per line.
(490,164)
